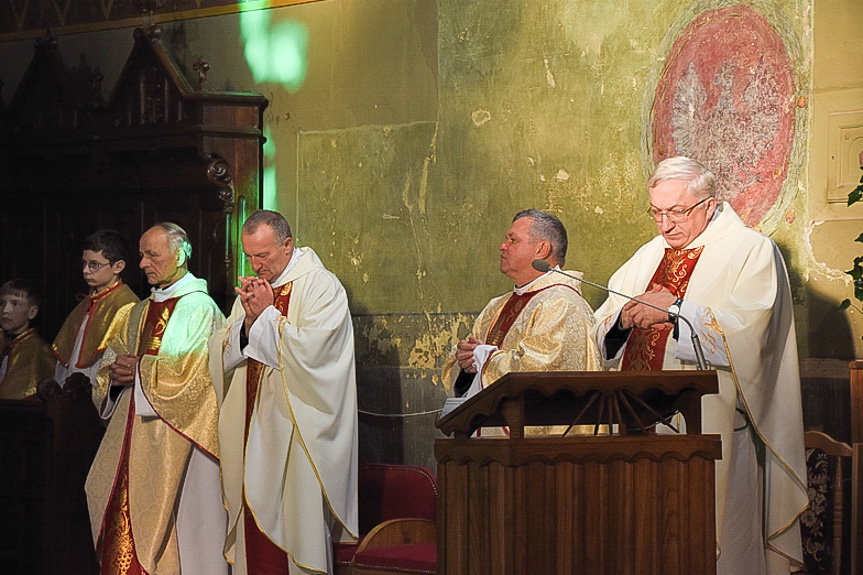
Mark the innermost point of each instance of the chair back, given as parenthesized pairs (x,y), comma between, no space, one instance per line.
(389,491)
(822,524)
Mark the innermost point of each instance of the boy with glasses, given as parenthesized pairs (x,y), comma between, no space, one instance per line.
(87,331)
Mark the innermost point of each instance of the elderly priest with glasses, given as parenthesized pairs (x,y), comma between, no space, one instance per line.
(730,283)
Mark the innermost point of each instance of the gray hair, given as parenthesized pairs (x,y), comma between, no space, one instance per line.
(549,228)
(700,182)
(178,239)
(276,221)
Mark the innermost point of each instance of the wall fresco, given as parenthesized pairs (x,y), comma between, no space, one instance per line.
(727,98)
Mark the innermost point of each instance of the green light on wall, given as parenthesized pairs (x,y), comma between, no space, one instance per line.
(277,52)
(269,145)
(270,188)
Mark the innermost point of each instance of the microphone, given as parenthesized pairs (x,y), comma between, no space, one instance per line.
(544,266)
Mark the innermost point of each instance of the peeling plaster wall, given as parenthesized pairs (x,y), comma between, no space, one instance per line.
(833,227)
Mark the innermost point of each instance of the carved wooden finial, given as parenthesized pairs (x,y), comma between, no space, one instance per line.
(150,6)
(49,40)
(153,32)
(219,172)
(96,80)
(201,66)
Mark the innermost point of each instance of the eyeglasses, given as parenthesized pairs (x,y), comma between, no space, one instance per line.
(676,216)
(93,266)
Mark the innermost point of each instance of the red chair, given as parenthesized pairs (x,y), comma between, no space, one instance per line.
(397,512)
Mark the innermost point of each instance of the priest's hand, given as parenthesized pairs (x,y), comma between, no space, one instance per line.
(464,354)
(122,371)
(256,295)
(637,315)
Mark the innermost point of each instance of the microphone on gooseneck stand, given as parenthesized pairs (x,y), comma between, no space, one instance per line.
(544,266)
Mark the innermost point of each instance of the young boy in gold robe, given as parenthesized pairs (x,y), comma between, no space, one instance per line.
(25,358)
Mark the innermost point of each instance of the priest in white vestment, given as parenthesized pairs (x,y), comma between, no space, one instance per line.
(284,366)
(153,490)
(730,282)
(542,325)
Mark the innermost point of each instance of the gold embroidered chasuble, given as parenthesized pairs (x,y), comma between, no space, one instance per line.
(549,332)
(174,378)
(28,361)
(745,315)
(302,448)
(118,556)
(102,308)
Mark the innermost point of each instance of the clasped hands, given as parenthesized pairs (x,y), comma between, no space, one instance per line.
(637,315)
(122,371)
(256,295)
(464,354)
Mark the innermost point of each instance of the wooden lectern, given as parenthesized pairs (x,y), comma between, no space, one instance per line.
(631,503)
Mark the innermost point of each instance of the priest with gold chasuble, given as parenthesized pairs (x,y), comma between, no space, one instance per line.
(153,489)
(284,369)
(730,282)
(542,325)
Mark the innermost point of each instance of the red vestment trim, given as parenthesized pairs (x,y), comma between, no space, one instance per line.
(263,557)
(158,314)
(645,348)
(509,313)
(118,555)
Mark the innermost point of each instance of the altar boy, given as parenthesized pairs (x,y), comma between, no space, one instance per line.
(25,358)
(87,331)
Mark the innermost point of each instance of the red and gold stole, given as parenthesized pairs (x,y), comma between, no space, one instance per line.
(118,556)
(645,348)
(158,314)
(263,557)
(118,546)
(509,313)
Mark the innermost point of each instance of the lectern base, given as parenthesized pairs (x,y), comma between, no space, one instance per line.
(617,505)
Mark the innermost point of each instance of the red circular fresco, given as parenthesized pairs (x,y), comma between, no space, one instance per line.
(726,98)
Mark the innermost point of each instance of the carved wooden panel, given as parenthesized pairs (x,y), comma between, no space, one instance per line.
(590,505)
(155,150)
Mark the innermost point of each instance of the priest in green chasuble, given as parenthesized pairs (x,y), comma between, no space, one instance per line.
(543,324)
(730,282)
(153,489)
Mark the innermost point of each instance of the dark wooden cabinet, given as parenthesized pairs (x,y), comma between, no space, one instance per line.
(46,446)
(156,149)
